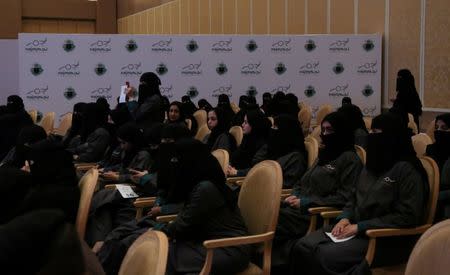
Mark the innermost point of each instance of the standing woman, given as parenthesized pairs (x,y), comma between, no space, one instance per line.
(150,107)
(219,138)
(407,100)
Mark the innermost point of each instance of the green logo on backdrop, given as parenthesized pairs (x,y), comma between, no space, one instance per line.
(131,45)
(192,46)
(221,69)
(70,93)
(310,91)
(251,46)
(36,69)
(100,69)
(161,69)
(310,45)
(68,45)
(280,68)
(338,68)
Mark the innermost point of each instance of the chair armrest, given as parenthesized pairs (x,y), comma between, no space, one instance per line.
(97,246)
(146,199)
(166,218)
(239,240)
(389,232)
(82,164)
(233,180)
(321,209)
(113,186)
(330,214)
(284,196)
(144,203)
(286,191)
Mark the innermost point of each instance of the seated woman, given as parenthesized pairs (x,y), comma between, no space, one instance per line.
(256,129)
(440,152)
(329,182)
(219,138)
(391,192)
(210,211)
(134,155)
(203,104)
(286,146)
(355,119)
(94,139)
(175,113)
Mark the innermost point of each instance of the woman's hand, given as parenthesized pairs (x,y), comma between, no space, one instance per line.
(231,171)
(292,201)
(137,175)
(113,176)
(155,211)
(339,227)
(349,231)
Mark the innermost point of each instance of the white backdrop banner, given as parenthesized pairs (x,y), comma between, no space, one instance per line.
(58,70)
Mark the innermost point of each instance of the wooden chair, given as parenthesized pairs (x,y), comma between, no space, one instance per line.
(188,123)
(224,159)
(201,117)
(323,111)
(430,129)
(368,122)
(48,122)
(361,153)
(272,121)
(237,133)
(316,133)
(147,255)
(33,115)
(412,124)
(259,207)
(87,186)
(64,125)
(430,254)
(202,132)
(234,107)
(305,116)
(433,179)
(312,147)
(420,142)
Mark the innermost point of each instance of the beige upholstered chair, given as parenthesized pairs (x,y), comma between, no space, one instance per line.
(147,255)
(305,116)
(259,204)
(201,117)
(312,147)
(234,107)
(87,186)
(202,132)
(323,111)
(420,142)
(412,124)
(33,115)
(272,121)
(237,133)
(316,133)
(433,179)
(64,125)
(188,123)
(223,158)
(430,129)
(361,153)
(368,122)
(431,253)
(48,122)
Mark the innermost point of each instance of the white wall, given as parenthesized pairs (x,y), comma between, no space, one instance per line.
(9,69)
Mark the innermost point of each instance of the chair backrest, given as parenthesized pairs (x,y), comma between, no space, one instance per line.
(272,121)
(305,116)
(322,112)
(48,122)
(237,133)
(361,153)
(430,129)
(420,142)
(412,124)
(316,133)
(202,132)
(188,123)
(433,180)
(430,254)
(64,124)
(87,187)
(201,117)
(312,147)
(259,198)
(33,115)
(147,255)
(224,159)
(234,107)
(368,122)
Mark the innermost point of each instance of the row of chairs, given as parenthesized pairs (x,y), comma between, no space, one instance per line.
(48,122)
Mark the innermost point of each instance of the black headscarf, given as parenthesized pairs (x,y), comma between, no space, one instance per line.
(188,105)
(15,185)
(121,115)
(353,116)
(242,157)
(93,118)
(203,104)
(15,104)
(407,98)
(440,150)
(287,137)
(224,104)
(79,110)
(266,98)
(391,146)
(223,126)
(149,86)
(27,136)
(134,136)
(338,142)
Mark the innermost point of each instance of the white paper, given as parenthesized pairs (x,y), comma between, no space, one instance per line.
(126,191)
(334,239)
(123,94)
